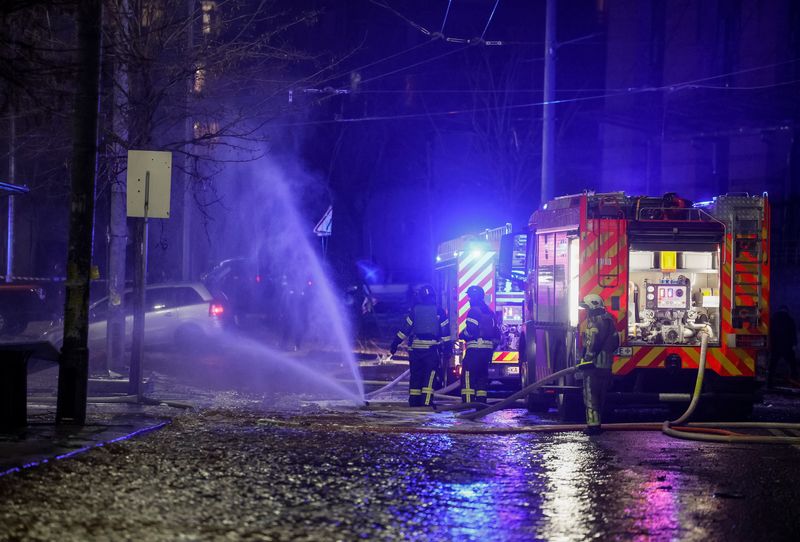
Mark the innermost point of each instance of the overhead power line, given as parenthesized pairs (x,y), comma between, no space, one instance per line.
(449,39)
(491,16)
(446,13)
(605,95)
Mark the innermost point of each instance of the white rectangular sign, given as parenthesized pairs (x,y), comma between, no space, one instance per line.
(149,181)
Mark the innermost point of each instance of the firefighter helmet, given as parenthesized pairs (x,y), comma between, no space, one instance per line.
(475,293)
(593,302)
(426,294)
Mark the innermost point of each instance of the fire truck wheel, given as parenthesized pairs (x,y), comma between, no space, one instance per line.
(538,402)
(571,407)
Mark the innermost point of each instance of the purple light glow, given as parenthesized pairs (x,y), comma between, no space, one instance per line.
(84,449)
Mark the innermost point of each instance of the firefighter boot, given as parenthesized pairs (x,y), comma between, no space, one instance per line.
(427,391)
(467,391)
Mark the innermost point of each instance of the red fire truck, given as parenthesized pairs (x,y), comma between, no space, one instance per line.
(666,269)
(472,260)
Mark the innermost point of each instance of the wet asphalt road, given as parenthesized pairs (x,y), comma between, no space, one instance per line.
(257,464)
(239,473)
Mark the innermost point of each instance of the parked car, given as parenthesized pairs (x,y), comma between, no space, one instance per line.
(175,313)
(245,285)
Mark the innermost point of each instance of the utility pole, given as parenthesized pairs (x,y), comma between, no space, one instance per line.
(188,200)
(117,224)
(74,363)
(12,174)
(547,190)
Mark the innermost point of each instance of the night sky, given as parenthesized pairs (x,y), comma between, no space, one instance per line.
(418,121)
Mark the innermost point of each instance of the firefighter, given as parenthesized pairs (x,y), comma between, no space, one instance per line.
(427,330)
(782,341)
(600,339)
(481,336)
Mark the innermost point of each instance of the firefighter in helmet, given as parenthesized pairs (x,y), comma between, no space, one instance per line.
(481,336)
(427,330)
(600,339)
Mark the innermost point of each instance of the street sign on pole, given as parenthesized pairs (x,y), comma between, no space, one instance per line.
(148,187)
(157,166)
(324,226)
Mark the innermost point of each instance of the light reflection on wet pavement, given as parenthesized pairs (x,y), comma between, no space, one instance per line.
(246,470)
(562,486)
(242,474)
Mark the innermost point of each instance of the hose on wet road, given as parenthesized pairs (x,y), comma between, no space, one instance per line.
(678,428)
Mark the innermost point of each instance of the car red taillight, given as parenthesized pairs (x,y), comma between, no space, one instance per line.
(215,309)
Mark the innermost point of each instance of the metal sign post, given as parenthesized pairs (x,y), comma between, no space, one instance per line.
(149,182)
(139,286)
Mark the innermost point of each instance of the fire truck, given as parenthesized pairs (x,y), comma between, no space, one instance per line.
(666,268)
(472,260)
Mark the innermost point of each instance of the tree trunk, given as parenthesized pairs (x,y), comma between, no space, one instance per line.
(74,363)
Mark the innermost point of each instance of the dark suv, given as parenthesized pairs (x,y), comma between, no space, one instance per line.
(246,288)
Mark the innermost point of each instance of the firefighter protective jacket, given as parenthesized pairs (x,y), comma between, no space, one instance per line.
(475,334)
(600,334)
(425,339)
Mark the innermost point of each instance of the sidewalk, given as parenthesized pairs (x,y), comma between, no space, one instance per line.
(119,417)
(43,441)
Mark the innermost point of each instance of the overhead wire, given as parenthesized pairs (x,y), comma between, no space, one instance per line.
(613,94)
(451,39)
(491,16)
(446,13)
(378,61)
(420,63)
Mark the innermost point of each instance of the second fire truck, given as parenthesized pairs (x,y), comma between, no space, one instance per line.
(471,260)
(667,269)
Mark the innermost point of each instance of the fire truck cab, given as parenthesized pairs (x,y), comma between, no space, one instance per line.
(472,260)
(667,269)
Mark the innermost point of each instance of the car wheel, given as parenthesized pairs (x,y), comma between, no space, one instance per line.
(189,336)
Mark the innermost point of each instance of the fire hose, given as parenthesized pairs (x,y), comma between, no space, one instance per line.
(440,393)
(707,431)
(679,428)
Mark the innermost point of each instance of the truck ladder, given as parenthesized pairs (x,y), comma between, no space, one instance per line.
(747,262)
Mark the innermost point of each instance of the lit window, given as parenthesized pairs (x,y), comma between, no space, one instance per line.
(199,78)
(208,6)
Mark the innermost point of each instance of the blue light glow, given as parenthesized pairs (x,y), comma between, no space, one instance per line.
(84,449)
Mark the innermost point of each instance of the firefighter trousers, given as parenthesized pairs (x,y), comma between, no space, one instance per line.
(423,363)
(595,386)
(475,374)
